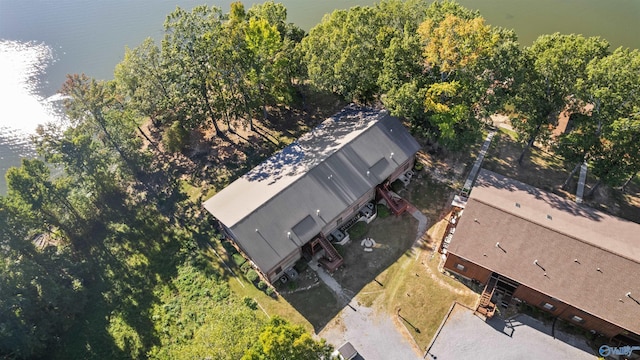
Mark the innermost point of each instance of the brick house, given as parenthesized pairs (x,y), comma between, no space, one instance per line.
(525,244)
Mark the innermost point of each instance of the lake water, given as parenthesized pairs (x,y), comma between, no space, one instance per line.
(43,40)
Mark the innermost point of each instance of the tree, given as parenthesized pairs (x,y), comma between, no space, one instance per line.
(142,79)
(189,45)
(470,68)
(93,108)
(610,131)
(343,53)
(30,185)
(553,65)
(42,290)
(281,340)
(175,137)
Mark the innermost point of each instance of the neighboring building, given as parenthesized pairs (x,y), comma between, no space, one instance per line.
(288,205)
(577,263)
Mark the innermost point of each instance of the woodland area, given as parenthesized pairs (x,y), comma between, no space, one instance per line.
(102,238)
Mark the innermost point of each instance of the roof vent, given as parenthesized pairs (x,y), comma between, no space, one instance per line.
(517,205)
(549,217)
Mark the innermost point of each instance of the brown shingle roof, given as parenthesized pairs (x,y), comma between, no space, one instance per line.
(591,259)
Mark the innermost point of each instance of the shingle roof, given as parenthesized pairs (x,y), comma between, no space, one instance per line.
(591,259)
(327,170)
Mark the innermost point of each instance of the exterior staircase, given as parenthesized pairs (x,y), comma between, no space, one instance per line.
(397,206)
(485,306)
(332,259)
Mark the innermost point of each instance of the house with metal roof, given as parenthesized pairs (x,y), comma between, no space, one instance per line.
(286,207)
(528,245)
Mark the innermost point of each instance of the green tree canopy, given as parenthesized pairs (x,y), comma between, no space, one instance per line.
(282,340)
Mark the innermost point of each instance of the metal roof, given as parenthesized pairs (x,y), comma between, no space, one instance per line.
(586,258)
(282,203)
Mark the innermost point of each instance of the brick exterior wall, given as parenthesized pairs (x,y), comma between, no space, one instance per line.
(573,315)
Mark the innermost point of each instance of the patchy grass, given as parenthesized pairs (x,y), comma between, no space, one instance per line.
(413,283)
(547,171)
(422,295)
(393,236)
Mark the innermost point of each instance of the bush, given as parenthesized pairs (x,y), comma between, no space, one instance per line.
(229,247)
(250,302)
(418,166)
(262,285)
(397,185)
(238,259)
(252,275)
(383,211)
(301,265)
(357,230)
(271,292)
(245,267)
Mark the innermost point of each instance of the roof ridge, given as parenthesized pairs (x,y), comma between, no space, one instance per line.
(379,116)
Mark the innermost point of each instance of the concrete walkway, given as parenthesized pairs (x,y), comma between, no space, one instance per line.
(581,181)
(423,222)
(331,283)
(466,189)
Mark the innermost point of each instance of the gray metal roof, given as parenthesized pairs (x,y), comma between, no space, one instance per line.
(282,203)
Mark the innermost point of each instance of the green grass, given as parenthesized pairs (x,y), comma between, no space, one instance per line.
(357,230)
(192,192)
(382,211)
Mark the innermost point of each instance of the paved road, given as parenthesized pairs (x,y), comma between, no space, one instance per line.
(466,336)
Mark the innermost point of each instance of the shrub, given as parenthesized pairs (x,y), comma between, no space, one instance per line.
(262,285)
(397,185)
(418,166)
(250,302)
(252,275)
(271,292)
(238,259)
(357,230)
(301,266)
(383,211)
(229,247)
(245,267)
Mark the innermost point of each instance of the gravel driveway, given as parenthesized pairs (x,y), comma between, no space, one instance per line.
(372,333)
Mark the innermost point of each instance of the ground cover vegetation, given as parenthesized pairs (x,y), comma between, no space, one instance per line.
(103,243)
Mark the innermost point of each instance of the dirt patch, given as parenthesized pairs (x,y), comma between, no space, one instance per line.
(546,171)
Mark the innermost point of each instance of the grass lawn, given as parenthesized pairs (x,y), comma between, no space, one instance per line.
(413,283)
(244,288)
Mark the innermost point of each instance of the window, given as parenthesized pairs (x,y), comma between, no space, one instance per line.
(577,319)
(339,221)
(461,267)
(548,306)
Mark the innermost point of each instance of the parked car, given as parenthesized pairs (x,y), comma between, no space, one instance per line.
(345,352)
